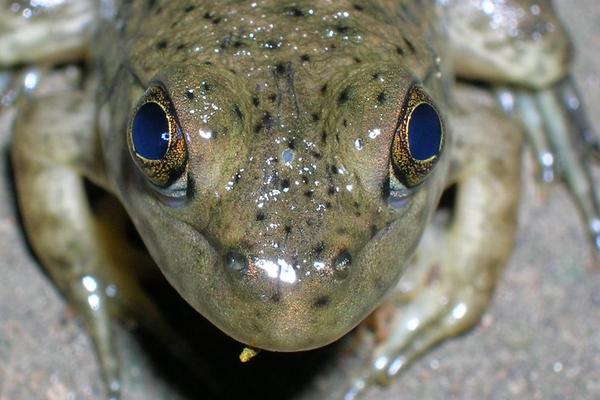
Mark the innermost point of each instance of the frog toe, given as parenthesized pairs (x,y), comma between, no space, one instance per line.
(563,142)
(435,315)
(573,104)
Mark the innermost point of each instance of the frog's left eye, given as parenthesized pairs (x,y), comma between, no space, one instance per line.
(418,141)
(155,138)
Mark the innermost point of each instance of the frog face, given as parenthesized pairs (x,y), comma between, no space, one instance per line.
(284,227)
(280,172)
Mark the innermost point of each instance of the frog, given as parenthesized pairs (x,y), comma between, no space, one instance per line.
(283,161)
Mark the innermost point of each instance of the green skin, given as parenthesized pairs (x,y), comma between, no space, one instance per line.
(273,174)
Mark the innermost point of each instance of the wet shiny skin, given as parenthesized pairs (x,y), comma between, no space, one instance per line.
(284,238)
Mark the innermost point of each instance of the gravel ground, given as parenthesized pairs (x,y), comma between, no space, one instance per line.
(539,339)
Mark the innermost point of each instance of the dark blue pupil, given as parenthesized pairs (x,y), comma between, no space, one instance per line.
(150,132)
(424,132)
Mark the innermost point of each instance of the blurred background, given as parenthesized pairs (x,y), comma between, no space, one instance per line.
(540,339)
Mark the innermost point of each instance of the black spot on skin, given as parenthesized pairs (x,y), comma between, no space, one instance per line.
(399,50)
(321,302)
(316,155)
(381,97)
(267,120)
(342,29)
(331,191)
(285,184)
(225,43)
(189,94)
(209,15)
(255,101)
(272,97)
(216,21)
(151,4)
(345,123)
(323,89)
(318,249)
(287,229)
(373,230)
(376,76)
(189,8)
(305,58)
(265,123)
(323,136)
(315,117)
(358,7)
(327,204)
(280,68)
(276,298)
(260,216)
(238,112)
(207,63)
(305,179)
(410,46)
(357,60)
(293,12)
(292,144)
(180,47)
(161,44)
(309,193)
(333,169)
(206,87)
(344,96)
(238,43)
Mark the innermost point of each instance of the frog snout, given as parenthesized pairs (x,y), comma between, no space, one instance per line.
(287,270)
(291,300)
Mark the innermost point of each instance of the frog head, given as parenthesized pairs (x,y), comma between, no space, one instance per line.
(284,219)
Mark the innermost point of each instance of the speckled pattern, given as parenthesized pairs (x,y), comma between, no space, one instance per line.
(538,341)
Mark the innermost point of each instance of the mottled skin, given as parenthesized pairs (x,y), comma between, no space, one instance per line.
(246,199)
(280,230)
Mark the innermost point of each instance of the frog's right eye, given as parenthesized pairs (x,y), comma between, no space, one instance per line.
(156,142)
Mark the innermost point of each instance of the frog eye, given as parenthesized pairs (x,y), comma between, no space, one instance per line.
(155,138)
(418,141)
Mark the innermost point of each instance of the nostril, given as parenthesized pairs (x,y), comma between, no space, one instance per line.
(236,262)
(341,265)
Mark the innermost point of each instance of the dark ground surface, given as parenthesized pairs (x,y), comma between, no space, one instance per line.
(540,338)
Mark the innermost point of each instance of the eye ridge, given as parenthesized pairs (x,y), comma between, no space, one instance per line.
(170,163)
(409,169)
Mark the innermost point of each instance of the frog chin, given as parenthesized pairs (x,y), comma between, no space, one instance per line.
(275,301)
(272,305)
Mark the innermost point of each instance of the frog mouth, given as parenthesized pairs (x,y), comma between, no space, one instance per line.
(279,301)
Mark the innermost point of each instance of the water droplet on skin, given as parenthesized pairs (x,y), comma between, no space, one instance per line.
(373,133)
(358,144)
(205,134)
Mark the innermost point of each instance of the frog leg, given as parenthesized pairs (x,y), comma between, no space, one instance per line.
(556,115)
(54,145)
(459,260)
(521,44)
